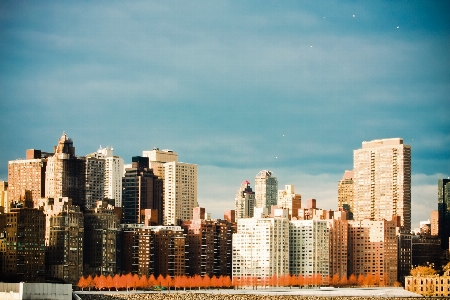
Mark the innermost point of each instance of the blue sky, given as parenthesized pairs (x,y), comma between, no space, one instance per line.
(233,86)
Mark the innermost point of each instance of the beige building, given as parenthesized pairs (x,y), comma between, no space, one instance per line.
(434,220)
(288,199)
(180,192)
(339,229)
(4,195)
(431,285)
(345,192)
(63,239)
(382,179)
(27,175)
(373,250)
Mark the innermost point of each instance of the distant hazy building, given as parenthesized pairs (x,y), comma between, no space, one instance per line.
(65,173)
(101,226)
(266,189)
(345,193)
(261,246)
(382,179)
(180,192)
(309,250)
(22,249)
(434,220)
(63,239)
(444,211)
(244,202)
(27,174)
(288,199)
(142,189)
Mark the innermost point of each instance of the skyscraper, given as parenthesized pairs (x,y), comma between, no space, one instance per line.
(266,189)
(65,173)
(141,190)
(244,201)
(180,192)
(345,193)
(382,179)
(444,212)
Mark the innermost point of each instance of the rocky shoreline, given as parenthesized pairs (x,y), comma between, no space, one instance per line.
(202,296)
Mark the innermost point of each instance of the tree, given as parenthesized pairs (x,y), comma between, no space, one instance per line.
(446,268)
(197,282)
(143,282)
(300,280)
(82,283)
(343,281)
(90,282)
(100,283)
(169,281)
(109,282)
(422,271)
(128,281)
(151,282)
(160,280)
(227,282)
(360,280)
(206,282)
(335,280)
(352,281)
(117,282)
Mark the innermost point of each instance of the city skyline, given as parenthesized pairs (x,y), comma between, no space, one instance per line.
(292,88)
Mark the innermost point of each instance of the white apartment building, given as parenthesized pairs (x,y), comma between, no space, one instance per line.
(266,189)
(114,168)
(180,192)
(288,199)
(382,181)
(244,203)
(309,249)
(261,246)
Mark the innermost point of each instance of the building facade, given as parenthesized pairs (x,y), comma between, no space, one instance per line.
(309,248)
(64,239)
(65,175)
(261,247)
(266,189)
(288,199)
(244,202)
(339,229)
(180,192)
(141,190)
(444,212)
(382,179)
(345,193)
(373,250)
(22,236)
(101,226)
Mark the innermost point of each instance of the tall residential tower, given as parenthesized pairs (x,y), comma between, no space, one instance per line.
(266,189)
(382,181)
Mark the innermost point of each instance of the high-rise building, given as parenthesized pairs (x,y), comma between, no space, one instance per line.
(104,172)
(261,246)
(22,236)
(147,250)
(27,175)
(382,179)
(309,248)
(444,212)
(4,196)
(180,192)
(157,159)
(101,226)
(373,250)
(65,175)
(141,190)
(338,229)
(288,199)
(208,245)
(345,193)
(63,239)
(404,255)
(244,202)
(266,189)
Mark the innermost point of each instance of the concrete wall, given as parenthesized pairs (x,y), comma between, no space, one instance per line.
(26,290)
